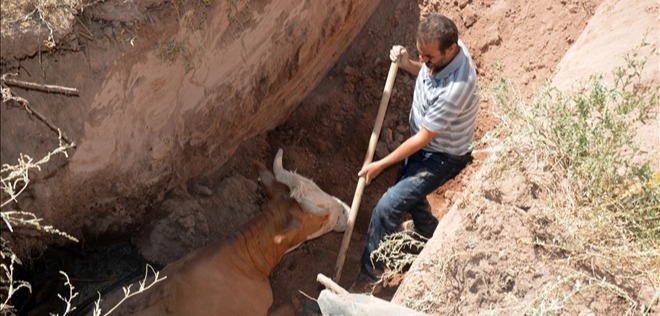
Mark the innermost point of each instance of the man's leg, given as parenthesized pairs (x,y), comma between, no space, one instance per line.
(385,220)
(386,216)
(432,171)
(421,174)
(424,222)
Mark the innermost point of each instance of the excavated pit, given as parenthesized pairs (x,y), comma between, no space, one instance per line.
(164,128)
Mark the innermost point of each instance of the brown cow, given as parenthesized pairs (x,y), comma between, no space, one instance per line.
(231,277)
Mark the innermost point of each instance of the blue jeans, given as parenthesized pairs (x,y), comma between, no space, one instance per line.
(421,174)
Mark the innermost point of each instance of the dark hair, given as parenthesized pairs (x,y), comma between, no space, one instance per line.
(436,27)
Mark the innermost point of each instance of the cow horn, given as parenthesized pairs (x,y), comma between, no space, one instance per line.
(304,190)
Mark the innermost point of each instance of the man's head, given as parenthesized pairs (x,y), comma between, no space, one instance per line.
(437,41)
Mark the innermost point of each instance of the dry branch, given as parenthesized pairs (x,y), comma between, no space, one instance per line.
(50,125)
(89,34)
(7,95)
(39,86)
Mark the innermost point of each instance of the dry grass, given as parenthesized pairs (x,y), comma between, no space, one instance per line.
(604,206)
(398,252)
(52,16)
(15,178)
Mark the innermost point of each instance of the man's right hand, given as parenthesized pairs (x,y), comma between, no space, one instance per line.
(399,55)
(372,170)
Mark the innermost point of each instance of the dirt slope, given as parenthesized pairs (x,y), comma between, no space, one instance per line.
(618,29)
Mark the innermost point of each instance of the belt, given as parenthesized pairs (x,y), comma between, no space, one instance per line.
(466,157)
(462,158)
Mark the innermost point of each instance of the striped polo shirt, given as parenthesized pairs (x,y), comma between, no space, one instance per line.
(446,103)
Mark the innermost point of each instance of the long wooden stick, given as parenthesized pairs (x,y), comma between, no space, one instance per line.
(332,286)
(373,141)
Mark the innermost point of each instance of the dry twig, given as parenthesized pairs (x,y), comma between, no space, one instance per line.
(7,96)
(7,280)
(38,86)
(127,290)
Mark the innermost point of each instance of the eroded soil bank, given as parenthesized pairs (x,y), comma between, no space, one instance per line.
(168,91)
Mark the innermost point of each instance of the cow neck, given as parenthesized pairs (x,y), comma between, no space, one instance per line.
(255,243)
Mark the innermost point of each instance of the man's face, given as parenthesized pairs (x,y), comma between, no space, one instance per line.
(431,55)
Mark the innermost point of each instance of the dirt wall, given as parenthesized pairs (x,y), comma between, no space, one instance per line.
(168,92)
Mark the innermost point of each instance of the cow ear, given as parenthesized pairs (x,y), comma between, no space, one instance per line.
(267,178)
(291,228)
(264,174)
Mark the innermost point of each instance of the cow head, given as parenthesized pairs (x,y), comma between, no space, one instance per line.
(294,224)
(312,199)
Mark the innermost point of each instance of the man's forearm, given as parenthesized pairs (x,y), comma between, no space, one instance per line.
(409,147)
(412,66)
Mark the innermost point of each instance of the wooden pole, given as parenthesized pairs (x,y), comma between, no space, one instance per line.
(332,286)
(373,141)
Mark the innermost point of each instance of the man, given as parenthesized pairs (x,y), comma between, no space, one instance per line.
(442,123)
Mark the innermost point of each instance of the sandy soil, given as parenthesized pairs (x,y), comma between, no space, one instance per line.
(326,137)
